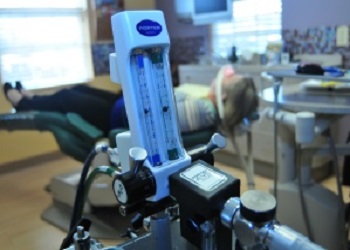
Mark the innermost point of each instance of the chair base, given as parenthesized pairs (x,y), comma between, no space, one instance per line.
(63,189)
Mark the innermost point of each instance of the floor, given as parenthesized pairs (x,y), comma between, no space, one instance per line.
(23,198)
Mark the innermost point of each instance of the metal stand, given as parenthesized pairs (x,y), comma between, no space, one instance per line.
(160,231)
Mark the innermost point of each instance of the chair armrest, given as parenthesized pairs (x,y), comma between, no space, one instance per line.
(191,139)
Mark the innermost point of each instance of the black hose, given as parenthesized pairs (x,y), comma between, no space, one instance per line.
(334,154)
(79,198)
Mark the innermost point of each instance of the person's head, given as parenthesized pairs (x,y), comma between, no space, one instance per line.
(239,98)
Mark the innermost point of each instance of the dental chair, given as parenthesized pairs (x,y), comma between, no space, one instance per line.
(74,135)
(76,138)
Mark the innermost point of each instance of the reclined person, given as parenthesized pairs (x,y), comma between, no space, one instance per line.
(106,111)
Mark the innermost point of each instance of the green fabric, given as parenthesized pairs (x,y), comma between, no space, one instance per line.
(75,136)
(83,128)
(70,143)
(71,122)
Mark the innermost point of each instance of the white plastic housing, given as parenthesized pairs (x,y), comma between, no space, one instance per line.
(142,67)
(305,127)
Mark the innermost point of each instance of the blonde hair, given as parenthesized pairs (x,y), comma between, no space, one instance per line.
(241,101)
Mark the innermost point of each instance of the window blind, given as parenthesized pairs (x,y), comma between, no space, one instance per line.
(254,24)
(44,43)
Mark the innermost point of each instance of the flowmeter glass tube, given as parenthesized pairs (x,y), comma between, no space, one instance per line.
(165,100)
(157,113)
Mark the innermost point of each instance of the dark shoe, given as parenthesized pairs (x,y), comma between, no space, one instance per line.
(7,86)
(19,86)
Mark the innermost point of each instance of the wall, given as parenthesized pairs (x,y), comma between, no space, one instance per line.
(301,14)
(310,27)
(176,28)
(137,4)
(20,145)
(297,16)
(187,41)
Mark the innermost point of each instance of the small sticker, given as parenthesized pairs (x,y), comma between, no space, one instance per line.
(203,177)
(120,191)
(149,28)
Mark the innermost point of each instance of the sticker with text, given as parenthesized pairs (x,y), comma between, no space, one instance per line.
(203,177)
(149,28)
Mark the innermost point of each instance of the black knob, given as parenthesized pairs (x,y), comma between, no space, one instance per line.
(258,206)
(131,188)
(137,221)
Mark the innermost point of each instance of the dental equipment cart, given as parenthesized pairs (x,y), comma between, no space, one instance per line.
(305,205)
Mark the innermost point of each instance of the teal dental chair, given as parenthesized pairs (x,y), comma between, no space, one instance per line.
(76,138)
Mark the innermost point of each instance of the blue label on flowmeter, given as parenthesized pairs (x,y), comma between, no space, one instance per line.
(149,28)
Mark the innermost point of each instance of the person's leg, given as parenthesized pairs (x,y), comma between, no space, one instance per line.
(49,102)
(14,96)
(93,109)
(104,94)
(42,103)
(24,92)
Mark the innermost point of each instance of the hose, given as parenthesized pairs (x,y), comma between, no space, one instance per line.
(337,174)
(101,170)
(276,89)
(79,196)
(301,193)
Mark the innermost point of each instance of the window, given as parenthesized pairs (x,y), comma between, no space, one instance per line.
(44,43)
(254,24)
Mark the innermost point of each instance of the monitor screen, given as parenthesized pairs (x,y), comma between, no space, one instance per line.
(207,6)
(199,12)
